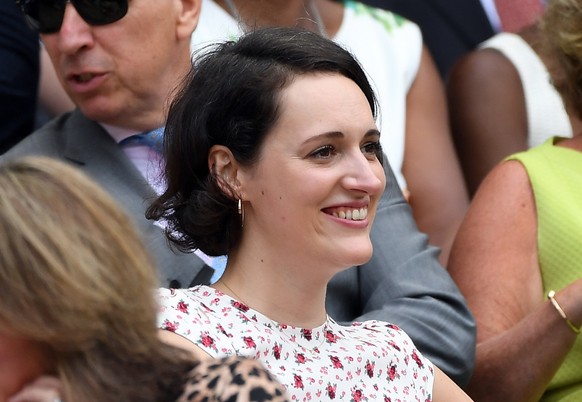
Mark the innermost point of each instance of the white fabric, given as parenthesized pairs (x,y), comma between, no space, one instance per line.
(546,115)
(387,46)
(368,361)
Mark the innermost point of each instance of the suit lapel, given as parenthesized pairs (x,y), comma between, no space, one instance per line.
(109,164)
(89,146)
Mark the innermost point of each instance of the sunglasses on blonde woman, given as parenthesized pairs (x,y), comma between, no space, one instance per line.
(46,16)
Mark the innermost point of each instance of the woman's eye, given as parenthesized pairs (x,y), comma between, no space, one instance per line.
(373,148)
(324,152)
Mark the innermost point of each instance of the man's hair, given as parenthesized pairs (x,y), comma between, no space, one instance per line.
(232,98)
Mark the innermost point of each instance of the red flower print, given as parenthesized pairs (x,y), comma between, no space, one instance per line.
(417,359)
(207,340)
(298,381)
(300,357)
(392,326)
(170,326)
(307,334)
(249,342)
(394,345)
(240,306)
(330,336)
(336,362)
(357,395)
(331,391)
(392,373)
(277,351)
(387,399)
(369,369)
(183,307)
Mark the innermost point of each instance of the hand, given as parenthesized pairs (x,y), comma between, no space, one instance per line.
(43,389)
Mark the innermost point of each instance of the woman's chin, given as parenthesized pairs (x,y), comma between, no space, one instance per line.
(359,257)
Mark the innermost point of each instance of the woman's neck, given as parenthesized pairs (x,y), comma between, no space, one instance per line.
(282,292)
(323,16)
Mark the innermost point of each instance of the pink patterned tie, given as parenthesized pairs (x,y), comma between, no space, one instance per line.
(517,14)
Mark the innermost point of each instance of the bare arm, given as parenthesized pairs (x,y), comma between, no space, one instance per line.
(445,390)
(437,192)
(494,262)
(487,113)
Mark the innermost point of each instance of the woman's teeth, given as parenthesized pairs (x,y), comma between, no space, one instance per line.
(351,214)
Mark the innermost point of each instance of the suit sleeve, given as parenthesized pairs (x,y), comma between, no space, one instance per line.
(405,284)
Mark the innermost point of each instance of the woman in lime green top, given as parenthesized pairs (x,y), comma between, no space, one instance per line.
(518,254)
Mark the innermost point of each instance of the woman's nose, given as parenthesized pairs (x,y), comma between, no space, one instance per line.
(365,175)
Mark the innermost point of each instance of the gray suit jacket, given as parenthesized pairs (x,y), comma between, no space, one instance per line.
(403,283)
(85,144)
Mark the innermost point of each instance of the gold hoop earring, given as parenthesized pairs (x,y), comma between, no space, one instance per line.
(241,212)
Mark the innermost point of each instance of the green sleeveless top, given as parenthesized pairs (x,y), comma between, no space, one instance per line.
(555,174)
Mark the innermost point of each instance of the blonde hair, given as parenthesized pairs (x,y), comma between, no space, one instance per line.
(562,29)
(75,277)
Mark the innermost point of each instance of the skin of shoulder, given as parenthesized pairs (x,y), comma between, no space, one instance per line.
(487,112)
(445,390)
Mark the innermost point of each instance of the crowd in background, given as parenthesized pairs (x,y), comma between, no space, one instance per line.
(378,200)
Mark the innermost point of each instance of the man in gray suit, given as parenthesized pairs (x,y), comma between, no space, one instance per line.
(120,67)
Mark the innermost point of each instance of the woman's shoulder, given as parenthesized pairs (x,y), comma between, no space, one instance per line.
(183,310)
(232,379)
(380,333)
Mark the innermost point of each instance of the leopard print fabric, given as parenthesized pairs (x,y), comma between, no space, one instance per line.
(233,379)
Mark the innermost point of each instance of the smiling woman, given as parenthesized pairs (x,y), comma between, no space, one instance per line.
(273,157)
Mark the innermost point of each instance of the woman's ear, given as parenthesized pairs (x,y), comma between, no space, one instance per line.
(225,169)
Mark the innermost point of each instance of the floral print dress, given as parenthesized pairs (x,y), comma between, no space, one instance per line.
(368,361)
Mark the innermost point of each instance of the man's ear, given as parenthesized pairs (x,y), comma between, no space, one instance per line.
(187,18)
(225,167)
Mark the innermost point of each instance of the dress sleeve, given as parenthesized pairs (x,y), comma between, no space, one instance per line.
(187,317)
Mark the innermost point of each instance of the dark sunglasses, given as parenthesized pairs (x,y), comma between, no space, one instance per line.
(46,16)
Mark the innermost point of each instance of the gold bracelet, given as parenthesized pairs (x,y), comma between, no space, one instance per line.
(551,295)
